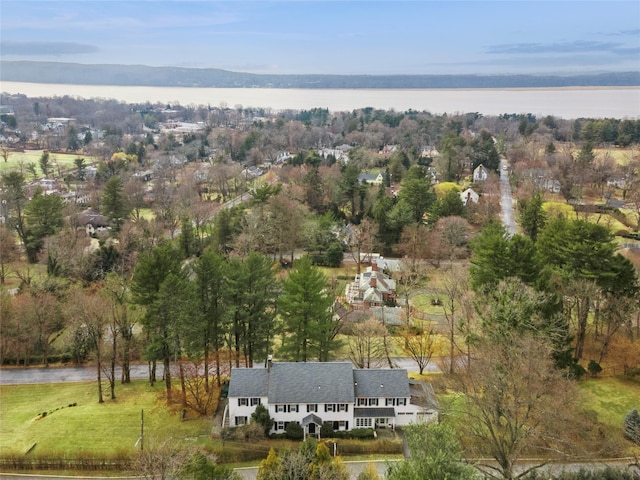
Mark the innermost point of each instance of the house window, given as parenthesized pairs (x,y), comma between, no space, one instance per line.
(329,407)
(312,407)
(363,422)
(243,402)
(279,426)
(401,402)
(373,402)
(390,401)
(362,402)
(343,407)
(281,408)
(343,425)
(255,401)
(241,421)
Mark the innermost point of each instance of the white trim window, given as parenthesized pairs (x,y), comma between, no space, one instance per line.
(363,422)
(255,402)
(363,402)
(287,407)
(243,402)
(373,402)
(312,408)
(241,421)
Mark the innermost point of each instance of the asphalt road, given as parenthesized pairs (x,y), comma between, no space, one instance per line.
(26,375)
(506,201)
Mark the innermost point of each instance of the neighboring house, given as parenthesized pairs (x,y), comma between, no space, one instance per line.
(542,178)
(388,150)
(250,173)
(314,393)
(93,222)
(372,288)
(434,175)
(341,154)
(480,174)
(144,176)
(469,195)
(371,178)
(429,152)
(618,181)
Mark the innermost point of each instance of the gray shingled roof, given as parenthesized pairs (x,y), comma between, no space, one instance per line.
(330,382)
(374,412)
(248,382)
(381,383)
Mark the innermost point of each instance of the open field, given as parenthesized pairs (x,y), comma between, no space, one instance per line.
(611,398)
(621,156)
(89,426)
(61,160)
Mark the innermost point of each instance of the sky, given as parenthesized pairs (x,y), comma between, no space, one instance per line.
(331,36)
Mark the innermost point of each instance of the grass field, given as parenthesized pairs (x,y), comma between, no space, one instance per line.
(62,160)
(611,398)
(88,427)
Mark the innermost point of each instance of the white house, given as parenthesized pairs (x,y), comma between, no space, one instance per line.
(480,174)
(371,288)
(469,195)
(318,392)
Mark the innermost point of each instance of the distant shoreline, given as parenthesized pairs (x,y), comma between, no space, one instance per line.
(141,75)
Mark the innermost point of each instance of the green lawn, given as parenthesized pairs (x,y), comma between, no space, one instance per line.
(88,427)
(611,398)
(63,160)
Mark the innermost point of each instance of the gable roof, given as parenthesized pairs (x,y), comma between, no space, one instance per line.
(248,382)
(381,383)
(311,382)
(317,382)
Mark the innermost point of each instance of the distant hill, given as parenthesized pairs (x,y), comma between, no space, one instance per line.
(139,75)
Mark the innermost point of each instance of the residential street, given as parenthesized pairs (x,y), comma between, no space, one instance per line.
(21,375)
(506,201)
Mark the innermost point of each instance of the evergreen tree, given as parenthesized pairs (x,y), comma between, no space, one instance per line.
(304,307)
(44,217)
(157,285)
(532,216)
(114,203)
(250,300)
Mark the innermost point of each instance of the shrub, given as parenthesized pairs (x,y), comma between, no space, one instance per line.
(262,418)
(594,368)
(326,430)
(294,431)
(252,431)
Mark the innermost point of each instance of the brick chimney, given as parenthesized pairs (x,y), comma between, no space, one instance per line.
(372,281)
(374,266)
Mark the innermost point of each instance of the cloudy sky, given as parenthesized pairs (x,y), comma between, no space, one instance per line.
(331,36)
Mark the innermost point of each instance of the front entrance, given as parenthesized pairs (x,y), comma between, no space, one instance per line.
(312,429)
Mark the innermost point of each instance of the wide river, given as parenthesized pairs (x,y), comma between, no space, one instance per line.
(568,103)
